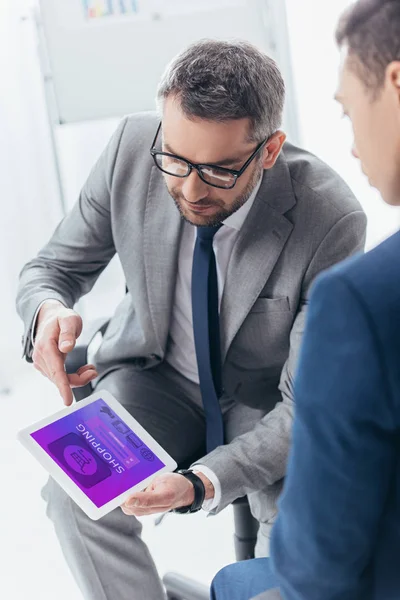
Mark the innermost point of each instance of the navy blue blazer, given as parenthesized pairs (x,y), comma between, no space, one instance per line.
(337,536)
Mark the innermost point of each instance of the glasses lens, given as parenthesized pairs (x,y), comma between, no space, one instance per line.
(218,177)
(171,165)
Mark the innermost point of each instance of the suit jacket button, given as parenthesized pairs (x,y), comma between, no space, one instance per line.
(155,357)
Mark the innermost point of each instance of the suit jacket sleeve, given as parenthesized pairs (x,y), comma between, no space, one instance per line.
(80,249)
(258,458)
(342,459)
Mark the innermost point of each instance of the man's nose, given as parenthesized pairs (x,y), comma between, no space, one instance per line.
(195,189)
(355,152)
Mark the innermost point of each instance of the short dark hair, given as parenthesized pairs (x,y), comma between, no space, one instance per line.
(371,29)
(219,80)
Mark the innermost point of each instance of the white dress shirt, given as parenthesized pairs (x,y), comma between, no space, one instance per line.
(181,352)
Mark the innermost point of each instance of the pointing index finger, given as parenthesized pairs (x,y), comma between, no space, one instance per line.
(57,374)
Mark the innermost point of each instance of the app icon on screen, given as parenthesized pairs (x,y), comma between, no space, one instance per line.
(121,426)
(133,440)
(79,460)
(147,454)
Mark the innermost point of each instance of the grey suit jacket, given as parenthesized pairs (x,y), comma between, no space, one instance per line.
(303,220)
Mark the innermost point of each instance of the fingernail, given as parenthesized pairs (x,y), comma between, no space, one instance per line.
(65,345)
(134,503)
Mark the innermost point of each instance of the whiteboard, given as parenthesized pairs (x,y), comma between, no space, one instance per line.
(103,62)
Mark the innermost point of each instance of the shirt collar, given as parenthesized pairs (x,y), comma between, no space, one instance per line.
(236,220)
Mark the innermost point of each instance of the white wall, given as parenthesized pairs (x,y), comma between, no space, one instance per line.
(315,57)
(28,192)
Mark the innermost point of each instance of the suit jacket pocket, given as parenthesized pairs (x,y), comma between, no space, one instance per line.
(262,341)
(262,305)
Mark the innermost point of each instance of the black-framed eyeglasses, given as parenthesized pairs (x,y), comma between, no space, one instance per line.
(213,175)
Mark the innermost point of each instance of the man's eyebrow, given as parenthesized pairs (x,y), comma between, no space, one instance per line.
(230,161)
(225,161)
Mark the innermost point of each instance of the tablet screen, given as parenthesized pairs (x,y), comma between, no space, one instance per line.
(98,451)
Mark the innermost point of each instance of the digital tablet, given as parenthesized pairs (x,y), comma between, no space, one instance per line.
(97,452)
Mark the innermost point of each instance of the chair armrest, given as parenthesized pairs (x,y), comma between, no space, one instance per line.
(246,529)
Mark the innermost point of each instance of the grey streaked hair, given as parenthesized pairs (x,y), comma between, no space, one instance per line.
(220,81)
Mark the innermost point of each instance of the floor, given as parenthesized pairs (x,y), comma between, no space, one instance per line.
(31,561)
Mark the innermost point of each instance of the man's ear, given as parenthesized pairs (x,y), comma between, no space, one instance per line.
(272,149)
(392,80)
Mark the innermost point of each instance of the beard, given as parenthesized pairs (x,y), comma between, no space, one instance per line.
(223,212)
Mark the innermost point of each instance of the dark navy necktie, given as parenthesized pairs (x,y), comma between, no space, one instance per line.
(206,332)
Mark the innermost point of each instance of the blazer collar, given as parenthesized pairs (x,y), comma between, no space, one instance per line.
(256,250)
(162,233)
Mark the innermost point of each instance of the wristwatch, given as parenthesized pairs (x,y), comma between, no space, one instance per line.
(199,493)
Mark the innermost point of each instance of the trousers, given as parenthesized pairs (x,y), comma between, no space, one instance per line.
(108,558)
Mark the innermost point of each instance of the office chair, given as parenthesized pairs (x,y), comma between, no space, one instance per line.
(178,587)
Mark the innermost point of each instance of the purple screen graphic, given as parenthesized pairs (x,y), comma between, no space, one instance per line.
(98,451)
(80,459)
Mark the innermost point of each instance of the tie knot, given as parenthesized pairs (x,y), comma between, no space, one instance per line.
(207,233)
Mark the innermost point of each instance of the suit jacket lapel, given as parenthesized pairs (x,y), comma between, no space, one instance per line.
(256,250)
(162,229)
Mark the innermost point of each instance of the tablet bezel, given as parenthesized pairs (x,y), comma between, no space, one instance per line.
(94,512)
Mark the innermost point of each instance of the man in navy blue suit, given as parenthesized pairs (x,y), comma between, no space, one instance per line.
(337,536)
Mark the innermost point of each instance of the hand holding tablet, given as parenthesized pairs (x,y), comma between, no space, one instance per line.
(165,492)
(97,452)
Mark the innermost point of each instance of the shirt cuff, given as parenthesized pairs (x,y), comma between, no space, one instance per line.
(209,505)
(33,330)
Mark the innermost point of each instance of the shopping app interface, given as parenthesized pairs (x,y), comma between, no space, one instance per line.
(98,451)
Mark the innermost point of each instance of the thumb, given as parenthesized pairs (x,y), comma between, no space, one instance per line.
(70,329)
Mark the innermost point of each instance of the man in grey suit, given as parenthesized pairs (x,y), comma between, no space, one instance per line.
(203,347)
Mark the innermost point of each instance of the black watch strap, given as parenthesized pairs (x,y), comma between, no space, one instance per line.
(199,493)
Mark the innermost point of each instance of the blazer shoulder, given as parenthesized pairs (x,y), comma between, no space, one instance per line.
(139,130)
(374,277)
(314,180)
(129,148)
(369,285)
